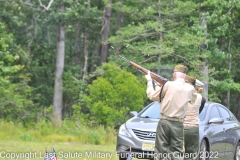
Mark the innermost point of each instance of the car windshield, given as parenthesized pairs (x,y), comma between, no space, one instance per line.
(152,111)
(203,113)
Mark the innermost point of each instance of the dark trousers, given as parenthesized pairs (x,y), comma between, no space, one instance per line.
(191,142)
(169,140)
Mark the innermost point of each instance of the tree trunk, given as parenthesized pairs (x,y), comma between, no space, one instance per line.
(85,54)
(119,23)
(86,41)
(106,31)
(77,39)
(204,67)
(204,70)
(77,48)
(58,83)
(229,70)
(238,107)
(160,38)
(95,57)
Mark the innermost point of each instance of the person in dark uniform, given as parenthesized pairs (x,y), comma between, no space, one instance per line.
(191,130)
(174,97)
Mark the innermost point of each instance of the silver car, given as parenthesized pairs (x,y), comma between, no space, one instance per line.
(219,133)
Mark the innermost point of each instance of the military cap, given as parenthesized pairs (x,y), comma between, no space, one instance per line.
(199,83)
(190,79)
(180,68)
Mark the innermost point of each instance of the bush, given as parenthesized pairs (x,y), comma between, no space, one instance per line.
(113,95)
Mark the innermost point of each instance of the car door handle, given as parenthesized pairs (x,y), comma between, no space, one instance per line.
(224,130)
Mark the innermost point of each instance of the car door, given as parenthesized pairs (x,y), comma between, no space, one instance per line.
(216,135)
(229,132)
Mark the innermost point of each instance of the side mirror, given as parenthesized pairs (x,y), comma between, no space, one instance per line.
(133,113)
(216,121)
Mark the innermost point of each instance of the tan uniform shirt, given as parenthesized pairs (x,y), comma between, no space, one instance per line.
(175,97)
(191,119)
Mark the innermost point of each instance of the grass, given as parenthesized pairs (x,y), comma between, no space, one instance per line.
(64,150)
(69,132)
(19,150)
(70,142)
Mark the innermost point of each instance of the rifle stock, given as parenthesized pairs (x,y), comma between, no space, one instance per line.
(154,76)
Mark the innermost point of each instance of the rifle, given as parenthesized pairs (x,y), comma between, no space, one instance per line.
(156,78)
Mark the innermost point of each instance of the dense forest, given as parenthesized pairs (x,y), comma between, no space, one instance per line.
(59,59)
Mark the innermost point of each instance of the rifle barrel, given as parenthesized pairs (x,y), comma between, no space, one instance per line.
(154,76)
(125,59)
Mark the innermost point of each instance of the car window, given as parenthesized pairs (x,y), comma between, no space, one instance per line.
(152,111)
(233,118)
(225,114)
(203,113)
(214,113)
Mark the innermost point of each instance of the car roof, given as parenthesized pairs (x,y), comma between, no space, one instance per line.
(207,103)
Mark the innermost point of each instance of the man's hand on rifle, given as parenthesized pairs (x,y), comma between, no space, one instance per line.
(148,76)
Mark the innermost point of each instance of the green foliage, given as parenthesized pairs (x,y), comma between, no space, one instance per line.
(14,91)
(170,35)
(113,95)
(222,37)
(7,58)
(73,93)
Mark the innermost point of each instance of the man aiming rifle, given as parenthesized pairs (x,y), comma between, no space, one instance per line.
(174,97)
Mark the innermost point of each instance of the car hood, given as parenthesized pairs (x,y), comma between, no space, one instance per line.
(142,123)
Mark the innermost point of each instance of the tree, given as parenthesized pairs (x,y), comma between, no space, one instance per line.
(14,89)
(119,21)
(222,29)
(58,83)
(106,31)
(111,96)
(161,34)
